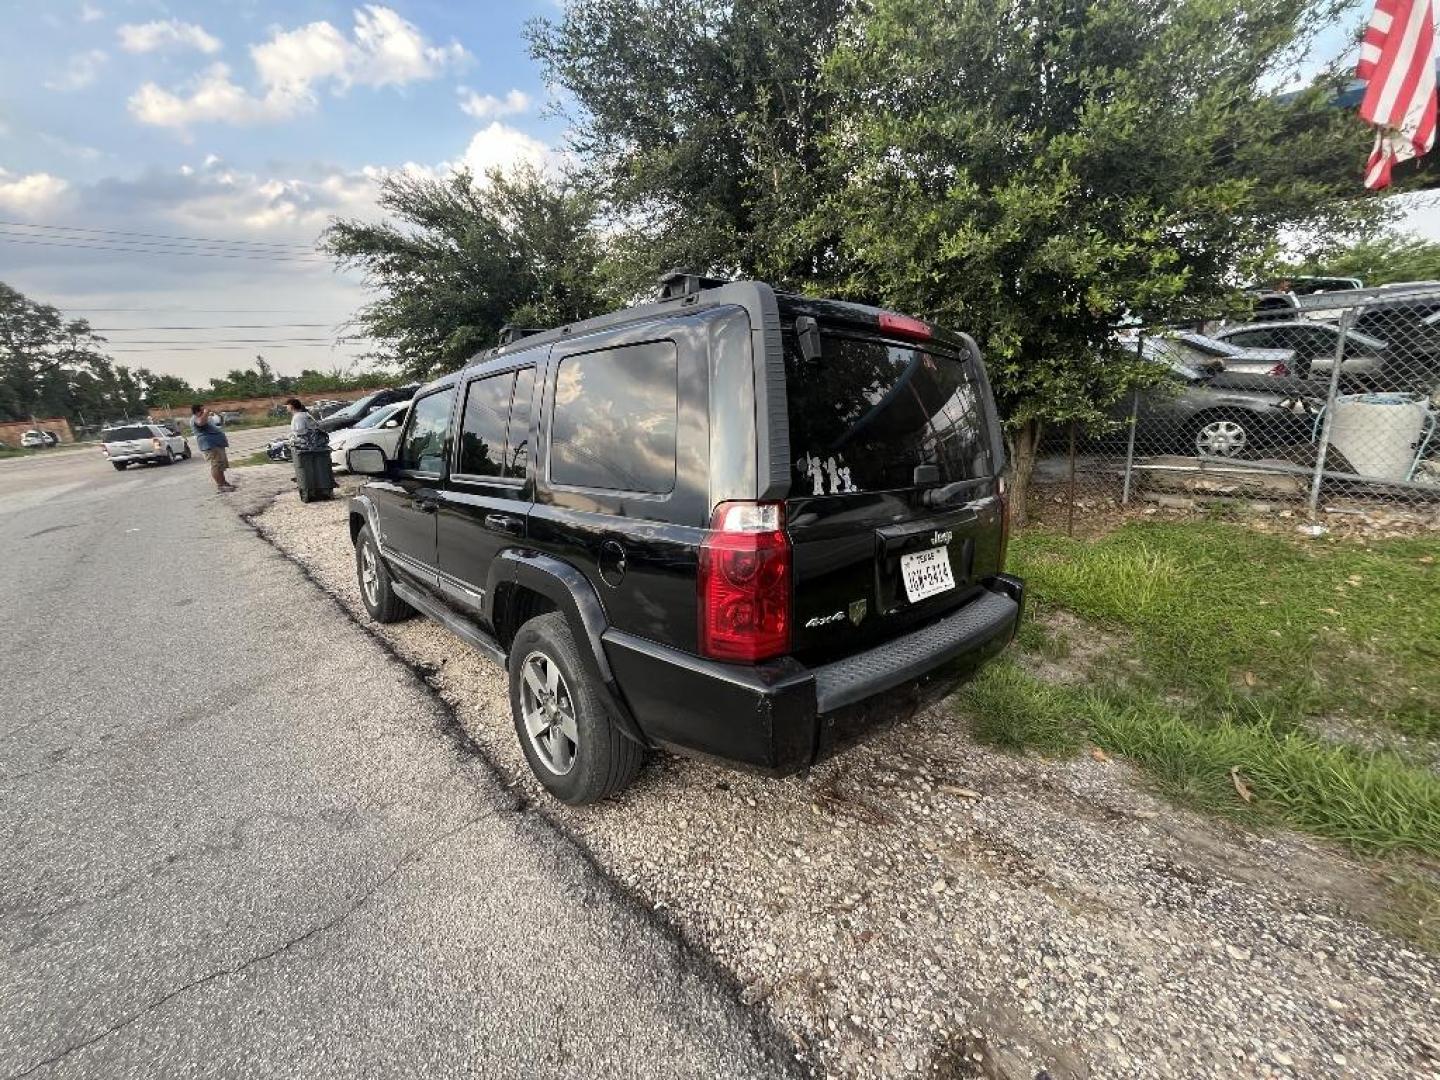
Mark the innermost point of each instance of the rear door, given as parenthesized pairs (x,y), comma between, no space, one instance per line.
(895,513)
(487,497)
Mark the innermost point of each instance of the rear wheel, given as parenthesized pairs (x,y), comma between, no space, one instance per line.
(1227,435)
(376,588)
(569,742)
(119,466)
(186,454)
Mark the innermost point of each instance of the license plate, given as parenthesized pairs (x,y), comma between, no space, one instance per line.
(926,573)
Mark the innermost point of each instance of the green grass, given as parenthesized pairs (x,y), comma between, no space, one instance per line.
(1207,653)
(256,458)
(1233,619)
(1373,801)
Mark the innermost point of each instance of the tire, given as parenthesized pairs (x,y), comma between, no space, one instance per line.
(1226,434)
(186,454)
(587,759)
(169,458)
(378,595)
(119,466)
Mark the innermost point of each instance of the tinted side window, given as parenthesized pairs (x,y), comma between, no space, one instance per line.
(517,445)
(614,420)
(423,448)
(1249,339)
(482,432)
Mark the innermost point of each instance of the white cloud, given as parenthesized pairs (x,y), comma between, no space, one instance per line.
(64,146)
(210,97)
(488,106)
(30,193)
(499,146)
(90,13)
(167,34)
(381,50)
(80,71)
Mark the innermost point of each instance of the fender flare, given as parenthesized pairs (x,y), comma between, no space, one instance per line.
(573,596)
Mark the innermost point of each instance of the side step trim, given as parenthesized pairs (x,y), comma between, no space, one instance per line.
(458,625)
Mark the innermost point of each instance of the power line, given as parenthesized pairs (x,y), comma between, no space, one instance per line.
(217,348)
(158,236)
(194,311)
(216,326)
(312,260)
(224,341)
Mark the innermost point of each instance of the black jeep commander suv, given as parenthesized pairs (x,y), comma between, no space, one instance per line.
(736,523)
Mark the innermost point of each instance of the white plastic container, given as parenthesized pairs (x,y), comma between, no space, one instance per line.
(1378,433)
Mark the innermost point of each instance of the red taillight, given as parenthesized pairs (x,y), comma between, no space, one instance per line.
(904,326)
(155,443)
(1280,370)
(744,583)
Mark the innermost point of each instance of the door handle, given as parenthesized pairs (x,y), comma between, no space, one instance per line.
(504,523)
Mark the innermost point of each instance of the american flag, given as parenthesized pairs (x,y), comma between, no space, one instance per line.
(1397,61)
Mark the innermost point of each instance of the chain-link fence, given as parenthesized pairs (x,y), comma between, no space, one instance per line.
(1329,400)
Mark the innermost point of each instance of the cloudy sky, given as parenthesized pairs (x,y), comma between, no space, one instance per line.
(167,165)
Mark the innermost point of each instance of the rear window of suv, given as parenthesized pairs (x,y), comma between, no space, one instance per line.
(126,434)
(866,412)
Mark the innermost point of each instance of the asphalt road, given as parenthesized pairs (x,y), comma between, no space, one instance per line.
(238,840)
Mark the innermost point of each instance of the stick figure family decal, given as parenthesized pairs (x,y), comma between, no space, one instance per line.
(832,469)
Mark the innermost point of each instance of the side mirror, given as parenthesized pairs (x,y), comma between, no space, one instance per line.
(367,460)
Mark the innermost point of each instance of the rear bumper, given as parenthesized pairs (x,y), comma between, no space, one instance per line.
(131,459)
(780,717)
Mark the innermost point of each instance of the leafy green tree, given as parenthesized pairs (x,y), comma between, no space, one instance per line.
(1377,259)
(1035,172)
(700,125)
(463,259)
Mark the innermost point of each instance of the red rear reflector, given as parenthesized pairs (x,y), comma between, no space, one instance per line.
(744,583)
(904,326)
(1280,369)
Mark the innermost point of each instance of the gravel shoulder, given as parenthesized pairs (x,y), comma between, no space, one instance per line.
(924,905)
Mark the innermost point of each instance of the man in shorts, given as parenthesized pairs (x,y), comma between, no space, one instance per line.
(210,438)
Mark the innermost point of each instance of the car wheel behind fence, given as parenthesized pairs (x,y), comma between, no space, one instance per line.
(1223,435)
(568,739)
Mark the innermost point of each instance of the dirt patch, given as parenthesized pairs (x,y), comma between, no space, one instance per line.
(1098,514)
(925,906)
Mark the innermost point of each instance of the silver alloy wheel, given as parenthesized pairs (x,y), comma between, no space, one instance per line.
(370,575)
(548,711)
(1221,438)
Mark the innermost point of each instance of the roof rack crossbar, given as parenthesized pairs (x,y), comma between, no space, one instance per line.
(509,334)
(676,283)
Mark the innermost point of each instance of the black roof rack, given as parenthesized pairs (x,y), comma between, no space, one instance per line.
(677,282)
(510,334)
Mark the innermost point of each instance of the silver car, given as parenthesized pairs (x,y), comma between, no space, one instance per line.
(1202,351)
(1314,345)
(131,444)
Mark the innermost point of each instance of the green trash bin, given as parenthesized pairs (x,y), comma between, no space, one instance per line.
(314,475)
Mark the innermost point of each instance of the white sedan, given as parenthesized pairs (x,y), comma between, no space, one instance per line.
(381,428)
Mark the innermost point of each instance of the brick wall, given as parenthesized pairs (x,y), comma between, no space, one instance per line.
(10,432)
